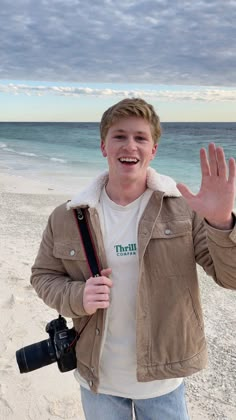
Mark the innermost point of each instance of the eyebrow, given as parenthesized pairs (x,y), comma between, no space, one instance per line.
(124,131)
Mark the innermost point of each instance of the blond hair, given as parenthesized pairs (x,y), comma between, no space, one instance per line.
(131,107)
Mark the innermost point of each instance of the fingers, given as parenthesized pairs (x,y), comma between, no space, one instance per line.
(205,167)
(97,292)
(106,272)
(215,164)
(222,165)
(232,170)
(185,191)
(99,281)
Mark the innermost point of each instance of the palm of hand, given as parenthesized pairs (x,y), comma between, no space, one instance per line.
(215,200)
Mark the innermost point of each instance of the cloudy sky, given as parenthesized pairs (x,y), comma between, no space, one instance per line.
(69,59)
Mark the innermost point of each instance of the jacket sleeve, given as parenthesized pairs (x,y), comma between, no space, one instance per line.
(215,251)
(51,281)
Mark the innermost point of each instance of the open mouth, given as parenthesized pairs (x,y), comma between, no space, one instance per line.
(128,160)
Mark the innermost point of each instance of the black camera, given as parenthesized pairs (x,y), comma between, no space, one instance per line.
(60,348)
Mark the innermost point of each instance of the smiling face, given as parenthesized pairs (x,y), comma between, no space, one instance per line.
(129,148)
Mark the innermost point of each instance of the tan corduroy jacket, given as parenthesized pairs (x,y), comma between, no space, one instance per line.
(171,240)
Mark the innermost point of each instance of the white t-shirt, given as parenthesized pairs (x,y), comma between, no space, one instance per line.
(117,371)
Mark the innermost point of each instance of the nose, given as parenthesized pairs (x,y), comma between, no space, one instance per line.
(131,144)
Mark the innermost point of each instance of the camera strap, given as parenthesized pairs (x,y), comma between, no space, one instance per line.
(87,241)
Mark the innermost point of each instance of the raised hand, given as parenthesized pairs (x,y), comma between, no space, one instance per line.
(215,200)
(96,292)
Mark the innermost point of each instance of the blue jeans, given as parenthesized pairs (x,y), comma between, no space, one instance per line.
(170,406)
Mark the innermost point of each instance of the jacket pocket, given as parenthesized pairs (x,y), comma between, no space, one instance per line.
(199,318)
(172,229)
(73,259)
(177,333)
(170,251)
(69,251)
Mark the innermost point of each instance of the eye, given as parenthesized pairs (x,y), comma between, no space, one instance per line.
(140,138)
(119,137)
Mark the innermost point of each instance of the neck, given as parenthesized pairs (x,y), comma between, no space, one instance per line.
(124,194)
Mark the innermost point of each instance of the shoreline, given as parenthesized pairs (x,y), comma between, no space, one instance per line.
(48,394)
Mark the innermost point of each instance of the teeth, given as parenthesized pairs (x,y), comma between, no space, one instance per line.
(128,160)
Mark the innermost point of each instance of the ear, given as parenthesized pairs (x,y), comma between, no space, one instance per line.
(103,148)
(154,151)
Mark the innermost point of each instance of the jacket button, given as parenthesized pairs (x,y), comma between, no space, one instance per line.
(168,231)
(97,331)
(72,252)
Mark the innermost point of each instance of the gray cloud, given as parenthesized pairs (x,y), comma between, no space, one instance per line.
(152,41)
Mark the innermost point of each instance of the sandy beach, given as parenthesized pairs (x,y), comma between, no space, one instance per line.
(47,394)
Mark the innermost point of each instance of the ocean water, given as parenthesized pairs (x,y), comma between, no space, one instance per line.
(67,155)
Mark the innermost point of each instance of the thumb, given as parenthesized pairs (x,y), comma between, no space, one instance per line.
(185,191)
(106,272)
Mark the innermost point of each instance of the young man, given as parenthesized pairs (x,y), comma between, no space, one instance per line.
(144,328)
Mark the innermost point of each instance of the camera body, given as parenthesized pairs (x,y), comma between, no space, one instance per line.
(60,348)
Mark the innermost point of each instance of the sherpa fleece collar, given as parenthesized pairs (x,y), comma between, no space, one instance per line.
(90,195)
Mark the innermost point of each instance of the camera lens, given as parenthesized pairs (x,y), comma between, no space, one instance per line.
(35,356)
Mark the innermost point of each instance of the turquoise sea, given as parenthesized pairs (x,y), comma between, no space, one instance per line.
(66,155)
